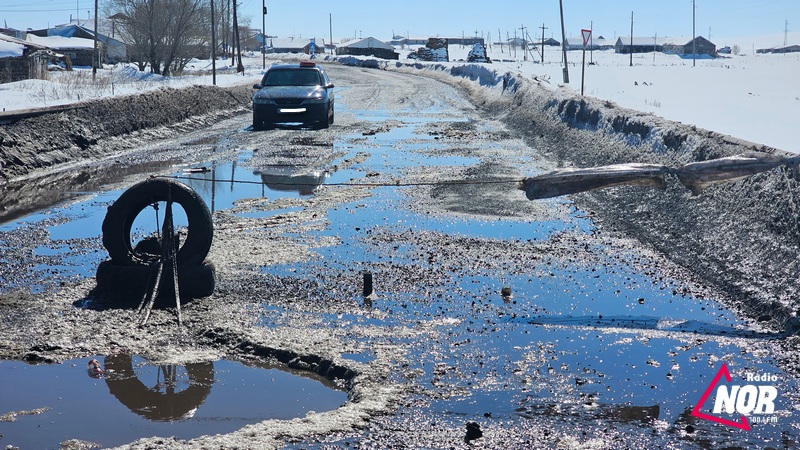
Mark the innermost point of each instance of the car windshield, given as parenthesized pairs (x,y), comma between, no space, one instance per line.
(292,77)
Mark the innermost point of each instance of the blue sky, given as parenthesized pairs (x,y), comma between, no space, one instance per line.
(422,18)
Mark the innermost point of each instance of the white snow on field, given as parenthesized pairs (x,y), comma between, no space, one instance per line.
(750,96)
(755,97)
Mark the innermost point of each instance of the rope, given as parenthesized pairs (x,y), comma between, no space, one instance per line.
(358,184)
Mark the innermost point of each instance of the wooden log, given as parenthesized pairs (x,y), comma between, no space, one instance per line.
(572,181)
(694,176)
(700,175)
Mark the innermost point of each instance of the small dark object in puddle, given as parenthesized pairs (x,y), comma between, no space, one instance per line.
(473,432)
(368,290)
(94,369)
(689,429)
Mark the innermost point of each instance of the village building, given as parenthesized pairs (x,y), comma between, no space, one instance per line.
(674,45)
(639,44)
(295,45)
(80,51)
(368,46)
(113,50)
(595,43)
(787,49)
(22,60)
(698,45)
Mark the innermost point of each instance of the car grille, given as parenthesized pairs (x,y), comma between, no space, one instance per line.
(288,101)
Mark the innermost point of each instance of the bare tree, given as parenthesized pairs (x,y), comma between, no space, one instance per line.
(165,34)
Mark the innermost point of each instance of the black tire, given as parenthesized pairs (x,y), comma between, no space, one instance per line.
(325,120)
(125,286)
(258,122)
(124,384)
(121,214)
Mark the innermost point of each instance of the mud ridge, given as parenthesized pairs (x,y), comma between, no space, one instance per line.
(63,136)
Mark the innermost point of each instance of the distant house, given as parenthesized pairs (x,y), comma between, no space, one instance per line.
(22,60)
(787,49)
(368,47)
(295,45)
(598,43)
(550,42)
(639,44)
(79,50)
(113,51)
(402,41)
(698,45)
(467,41)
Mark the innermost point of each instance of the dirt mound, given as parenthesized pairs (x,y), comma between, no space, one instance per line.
(41,141)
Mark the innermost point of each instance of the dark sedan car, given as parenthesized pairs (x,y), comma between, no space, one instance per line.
(293,93)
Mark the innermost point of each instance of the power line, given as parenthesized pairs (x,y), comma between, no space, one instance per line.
(358,184)
(34,10)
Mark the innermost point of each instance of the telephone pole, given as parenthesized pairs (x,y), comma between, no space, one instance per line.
(95,54)
(263,34)
(564,42)
(786,34)
(694,33)
(213,47)
(543,28)
(631,49)
(524,47)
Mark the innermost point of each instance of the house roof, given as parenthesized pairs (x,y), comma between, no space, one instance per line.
(597,41)
(297,43)
(11,47)
(368,42)
(71,30)
(61,43)
(646,40)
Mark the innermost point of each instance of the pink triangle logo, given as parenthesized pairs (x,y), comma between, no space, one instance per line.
(742,424)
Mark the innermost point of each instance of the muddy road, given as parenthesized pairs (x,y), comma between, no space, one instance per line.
(531,320)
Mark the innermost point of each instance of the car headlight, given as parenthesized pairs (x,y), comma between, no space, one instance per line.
(315,100)
(263,100)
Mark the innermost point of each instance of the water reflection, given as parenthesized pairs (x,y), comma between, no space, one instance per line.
(292,179)
(175,393)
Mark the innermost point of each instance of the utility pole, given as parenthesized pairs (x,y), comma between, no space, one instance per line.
(213,47)
(524,47)
(655,45)
(564,42)
(543,28)
(591,42)
(631,49)
(330,30)
(239,66)
(500,38)
(694,33)
(263,35)
(96,55)
(786,34)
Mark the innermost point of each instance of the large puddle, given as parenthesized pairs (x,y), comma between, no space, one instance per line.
(134,398)
(580,345)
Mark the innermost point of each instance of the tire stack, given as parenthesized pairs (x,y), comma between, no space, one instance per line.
(130,273)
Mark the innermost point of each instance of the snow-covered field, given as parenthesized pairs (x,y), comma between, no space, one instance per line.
(755,97)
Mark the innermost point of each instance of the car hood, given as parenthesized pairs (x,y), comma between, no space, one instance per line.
(276,92)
